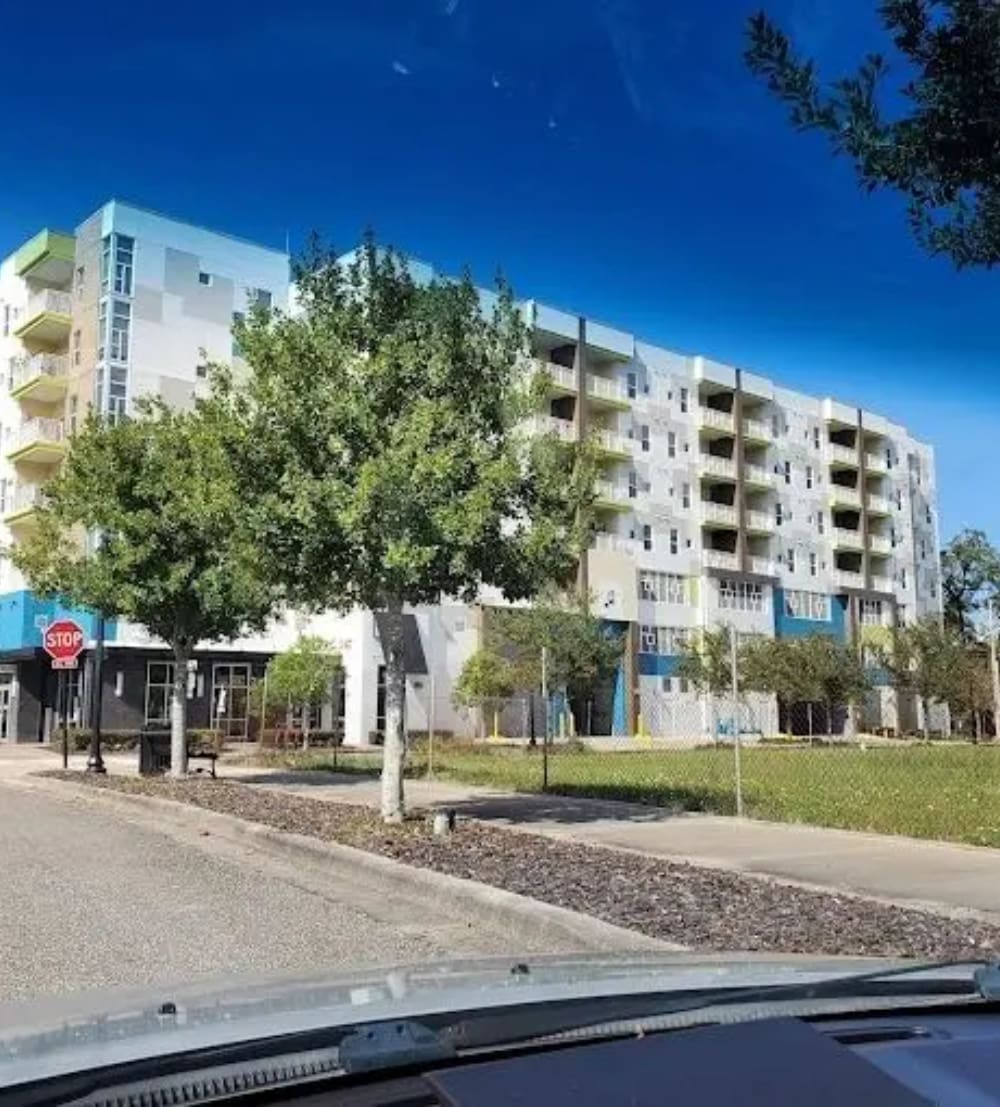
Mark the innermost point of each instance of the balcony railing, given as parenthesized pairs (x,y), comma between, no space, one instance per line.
(717,466)
(612,442)
(562,377)
(719,559)
(762,566)
(23,499)
(618,494)
(754,428)
(46,318)
(882,584)
(878,504)
(39,366)
(875,463)
(757,474)
(849,497)
(719,420)
(846,578)
(719,513)
(549,424)
(851,539)
(847,454)
(759,520)
(614,543)
(612,391)
(878,544)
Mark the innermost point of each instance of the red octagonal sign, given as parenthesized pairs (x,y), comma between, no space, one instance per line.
(63,640)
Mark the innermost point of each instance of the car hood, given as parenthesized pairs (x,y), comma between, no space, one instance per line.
(76,1032)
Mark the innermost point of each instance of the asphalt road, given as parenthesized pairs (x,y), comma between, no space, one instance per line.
(91,899)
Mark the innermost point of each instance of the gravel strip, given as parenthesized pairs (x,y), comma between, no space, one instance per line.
(698,907)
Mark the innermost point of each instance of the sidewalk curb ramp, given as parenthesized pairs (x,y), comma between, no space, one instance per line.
(493,908)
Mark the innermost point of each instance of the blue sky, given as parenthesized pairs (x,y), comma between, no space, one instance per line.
(612,156)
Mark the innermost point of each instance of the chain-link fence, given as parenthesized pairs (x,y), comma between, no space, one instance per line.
(879,765)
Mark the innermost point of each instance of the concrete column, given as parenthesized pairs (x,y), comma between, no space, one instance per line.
(742,558)
(866,570)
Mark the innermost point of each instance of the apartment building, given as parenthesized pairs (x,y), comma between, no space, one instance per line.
(131,304)
(724,498)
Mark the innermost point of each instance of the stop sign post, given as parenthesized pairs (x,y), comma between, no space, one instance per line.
(63,642)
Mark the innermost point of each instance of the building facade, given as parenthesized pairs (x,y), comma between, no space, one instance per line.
(724,498)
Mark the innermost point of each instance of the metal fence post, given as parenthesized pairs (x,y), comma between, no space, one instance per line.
(545,711)
(737,759)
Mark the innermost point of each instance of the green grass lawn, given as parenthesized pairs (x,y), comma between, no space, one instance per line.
(949,792)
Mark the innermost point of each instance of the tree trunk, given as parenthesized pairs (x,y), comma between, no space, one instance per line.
(306,721)
(925,719)
(178,714)
(394,748)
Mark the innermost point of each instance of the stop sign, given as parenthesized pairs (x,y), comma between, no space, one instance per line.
(63,640)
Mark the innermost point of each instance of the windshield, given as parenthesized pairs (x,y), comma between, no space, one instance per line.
(487,482)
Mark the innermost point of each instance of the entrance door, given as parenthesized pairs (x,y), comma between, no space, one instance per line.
(6,707)
(231,699)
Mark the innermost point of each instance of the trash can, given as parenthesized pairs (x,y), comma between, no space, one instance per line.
(154,752)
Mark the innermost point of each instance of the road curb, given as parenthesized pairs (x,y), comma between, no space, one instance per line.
(493,908)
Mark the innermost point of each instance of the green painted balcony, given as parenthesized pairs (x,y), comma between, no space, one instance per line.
(47,319)
(46,258)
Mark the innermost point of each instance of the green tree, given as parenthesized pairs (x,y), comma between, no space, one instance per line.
(486,678)
(970,578)
(707,661)
(582,653)
(302,677)
(922,660)
(173,554)
(935,139)
(832,672)
(772,665)
(385,460)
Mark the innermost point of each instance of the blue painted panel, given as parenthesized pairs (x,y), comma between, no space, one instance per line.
(785,626)
(19,610)
(656,664)
(619,715)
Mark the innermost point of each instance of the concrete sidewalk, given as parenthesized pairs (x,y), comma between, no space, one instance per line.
(941,875)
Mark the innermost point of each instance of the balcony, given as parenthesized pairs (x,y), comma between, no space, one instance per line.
(845,539)
(841,496)
(711,466)
(759,522)
(562,380)
(875,463)
(877,505)
(20,510)
(47,318)
(602,392)
(845,578)
(46,258)
(563,429)
(718,515)
(719,559)
(614,543)
(756,431)
(882,584)
(762,566)
(613,497)
(712,420)
(613,445)
(842,455)
(39,442)
(879,545)
(43,378)
(756,476)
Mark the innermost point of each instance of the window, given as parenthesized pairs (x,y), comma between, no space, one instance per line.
(6,320)
(819,522)
(671,444)
(666,684)
(809,476)
(807,605)
(666,641)
(3,494)
(870,612)
(78,281)
(647,537)
(201,371)
(662,587)
(205,279)
(159,692)
(775,425)
(76,347)
(238,317)
(631,386)
(812,564)
(105,263)
(816,438)
(117,393)
(260,297)
(684,399)
(740,595)
(124,248)
(923,550)
(685,495)
(102,329)
(899,499)
(927,516)
(888,457)
(674,540)
(118,338)
(230,699)
(892,537)
(790,559)
(902,577)
(74,402)
(788,472)
(633,484)
(778,514)
(644,438)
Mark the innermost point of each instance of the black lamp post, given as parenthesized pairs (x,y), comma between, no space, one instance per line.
(95,762)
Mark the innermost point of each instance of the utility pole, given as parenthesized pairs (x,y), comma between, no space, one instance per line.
(545,710)
(95,763)
(994,668)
